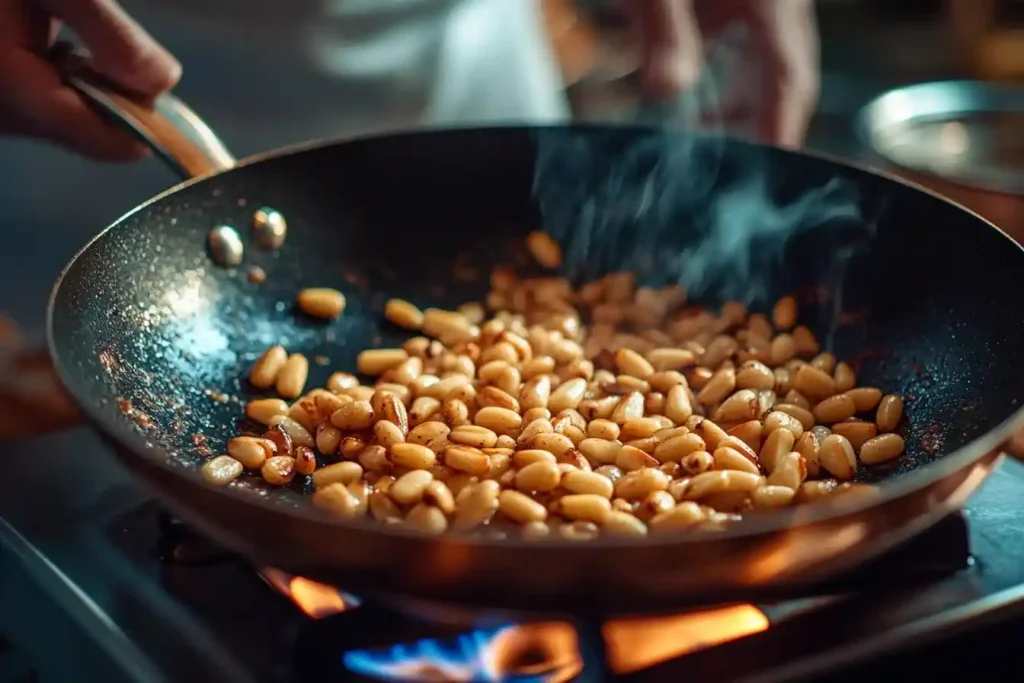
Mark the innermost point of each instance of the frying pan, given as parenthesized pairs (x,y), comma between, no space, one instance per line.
(150,338)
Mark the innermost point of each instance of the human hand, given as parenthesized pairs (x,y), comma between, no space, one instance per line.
(785,39)
(34,101)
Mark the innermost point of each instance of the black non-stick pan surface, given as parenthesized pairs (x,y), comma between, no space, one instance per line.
(154,340)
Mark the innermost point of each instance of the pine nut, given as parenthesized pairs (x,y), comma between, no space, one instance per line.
(677,404)
(433,435)
(353,416)
(221,470)
(721,384)
(263,410)
(740,407)
(426,519)
(378,361)
(583,507)
(476,504)
(251,451)
(856,431)
(837,457)
(410,487)
(337,500)
(473,435)
(344,472)
(772,497)
(882,448)
(697,462)
(780,420)
(785,312)
(567,395)
(278,470)
(321,302)
(890,412)
(755,375)
(683,515)
(557,444)
(834,409)
(499,420)
(403,314)
(540,476)
(813,383)
(865,398)
(641,483)
(616,523)
(410,455)
(305,460)
(544,249)
(264,371)
(778,443)
(467,459)
(296,432)
(520,508)
(720,481)
(600,451)
(730,459)
(790,471)
(631,363)
(291,379)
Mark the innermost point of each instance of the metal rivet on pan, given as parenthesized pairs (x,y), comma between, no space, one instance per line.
(269,228)
(225,245)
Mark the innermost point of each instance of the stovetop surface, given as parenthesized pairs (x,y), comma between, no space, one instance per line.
(95,559)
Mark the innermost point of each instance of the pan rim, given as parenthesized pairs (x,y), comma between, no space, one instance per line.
(762,524)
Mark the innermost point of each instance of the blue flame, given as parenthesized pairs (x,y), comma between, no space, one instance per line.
(462,658)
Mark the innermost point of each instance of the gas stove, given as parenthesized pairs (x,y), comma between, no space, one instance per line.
(132,595)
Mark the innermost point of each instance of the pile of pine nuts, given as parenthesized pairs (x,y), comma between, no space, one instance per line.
(614,409)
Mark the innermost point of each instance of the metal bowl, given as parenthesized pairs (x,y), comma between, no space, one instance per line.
(967,132)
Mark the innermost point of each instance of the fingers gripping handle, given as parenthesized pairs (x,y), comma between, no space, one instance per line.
(166,125)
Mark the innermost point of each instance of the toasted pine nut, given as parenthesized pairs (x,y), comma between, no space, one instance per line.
(291,379)
(641,483)
(296,432)
(403,314)
(617,523)
(780,420)
(305,460)
(498,420)
(426,519)
(520,508)
(221,470)
(278,470)
(467,459)
(433,435)
(630,458)
(677,404)
(600,451)
(473,435)
(603,429)
(567,395)
(378,361)
(639,428)
(344,472)
(856,431)
(834,409)
(721,384)
(813,383)
(353,416)
(631,363)
(790,471)
(865,398)
(890,411)
(410,487)
(836,456)
(778,443)
(678,447)
(382,508)
(540,476)
(755,375)
(264,371)
(784,313)
(263,410)
(583,506)
(557,444)
(631,405)
(670,359)
(882,448)
(544,249)
(321,302)
(721,481)
(710,432)
(730,459)
(845,377)
(771,497)
(411,455)
(251,451)
(683,515)
(476,504)
(740,407)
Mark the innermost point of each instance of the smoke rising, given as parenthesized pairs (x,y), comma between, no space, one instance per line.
(694,208)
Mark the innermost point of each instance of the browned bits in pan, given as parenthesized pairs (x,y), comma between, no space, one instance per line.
(611,410)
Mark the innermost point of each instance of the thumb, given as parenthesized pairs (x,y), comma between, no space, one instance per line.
(121,49)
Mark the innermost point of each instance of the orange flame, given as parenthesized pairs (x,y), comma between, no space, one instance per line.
(553,647)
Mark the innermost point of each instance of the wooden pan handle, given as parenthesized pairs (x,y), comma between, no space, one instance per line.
(175,133)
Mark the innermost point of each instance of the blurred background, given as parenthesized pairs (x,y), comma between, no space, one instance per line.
(268,73)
